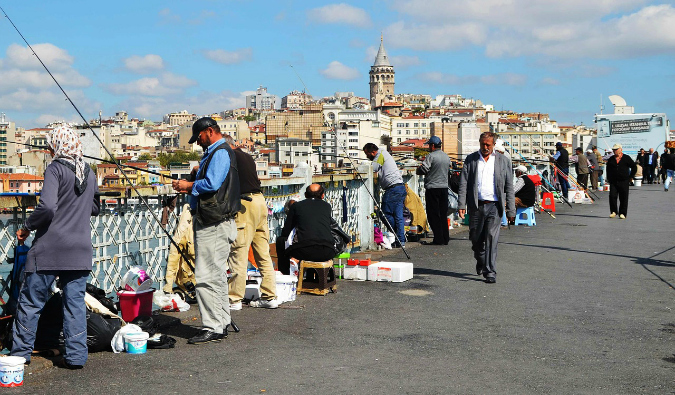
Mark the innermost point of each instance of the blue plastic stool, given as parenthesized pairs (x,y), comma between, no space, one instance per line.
(528,213)
(504,220)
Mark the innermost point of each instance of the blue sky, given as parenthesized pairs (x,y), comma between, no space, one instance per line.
(154,57)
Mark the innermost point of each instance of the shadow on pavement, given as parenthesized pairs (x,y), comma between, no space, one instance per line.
(434,272)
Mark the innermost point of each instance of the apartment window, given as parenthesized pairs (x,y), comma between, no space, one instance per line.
(416,124)
(407,125)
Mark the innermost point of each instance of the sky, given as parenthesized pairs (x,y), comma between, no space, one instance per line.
(153,57)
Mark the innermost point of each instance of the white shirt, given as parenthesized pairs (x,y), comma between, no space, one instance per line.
(485,175)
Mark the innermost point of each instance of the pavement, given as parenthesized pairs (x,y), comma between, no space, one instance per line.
(582,304)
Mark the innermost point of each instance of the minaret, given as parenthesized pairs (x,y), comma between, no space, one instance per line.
(381,78)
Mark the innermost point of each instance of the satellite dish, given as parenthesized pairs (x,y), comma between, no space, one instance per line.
(617,100)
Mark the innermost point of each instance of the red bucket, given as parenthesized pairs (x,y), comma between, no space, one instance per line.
(134,304)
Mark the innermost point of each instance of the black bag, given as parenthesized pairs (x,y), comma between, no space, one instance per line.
(100,331)
(340,238)
(146,323)
(161,342)
(100,295)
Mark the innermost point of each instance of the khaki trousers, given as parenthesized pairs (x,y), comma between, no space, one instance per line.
(253,231)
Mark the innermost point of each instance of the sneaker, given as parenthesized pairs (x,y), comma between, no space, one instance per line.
(612,215)
(622,216)
(235,306)
(268,304)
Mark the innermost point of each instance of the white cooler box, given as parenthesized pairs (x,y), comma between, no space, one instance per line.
(396,272)
(287,286)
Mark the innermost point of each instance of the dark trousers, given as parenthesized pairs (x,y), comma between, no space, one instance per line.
(35,292)
(619,189)
(594,179)
(484,226)
(582,179)
(562,179)
(315,253)
(650,173)
(437,214)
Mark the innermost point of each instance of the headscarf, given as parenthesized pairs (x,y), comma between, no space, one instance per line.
(68,151)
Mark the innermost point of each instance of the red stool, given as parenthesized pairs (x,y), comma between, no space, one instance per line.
(548,202)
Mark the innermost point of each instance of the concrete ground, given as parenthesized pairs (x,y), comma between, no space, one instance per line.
(583,304)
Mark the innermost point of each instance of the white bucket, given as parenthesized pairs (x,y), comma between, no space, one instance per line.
(638,181)
(606,187)
(11,371)
(287,286)
(136,343)
(136,279)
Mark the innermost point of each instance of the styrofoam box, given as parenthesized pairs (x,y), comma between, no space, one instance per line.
(252,291)
(357,273)
(287,286)
(396,272)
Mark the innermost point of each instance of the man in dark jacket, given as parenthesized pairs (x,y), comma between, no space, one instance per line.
(582,168)
(620,169)
(312,239)
(525,190)
(669,166)
(562,162)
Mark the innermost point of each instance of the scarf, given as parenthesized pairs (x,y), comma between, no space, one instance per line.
(67,148)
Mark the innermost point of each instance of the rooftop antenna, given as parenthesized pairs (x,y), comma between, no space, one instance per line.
(297,75)
(602,106)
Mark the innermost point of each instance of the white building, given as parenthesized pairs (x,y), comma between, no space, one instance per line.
(261,100)
(414,127)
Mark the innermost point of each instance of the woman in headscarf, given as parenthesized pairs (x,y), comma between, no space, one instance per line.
(62,248)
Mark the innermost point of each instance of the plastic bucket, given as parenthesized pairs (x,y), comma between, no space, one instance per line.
(136,343)
(136,279)
(134,304)
(638,181)
(11,371)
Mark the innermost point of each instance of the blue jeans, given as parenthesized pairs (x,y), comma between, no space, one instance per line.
(562,174)
(392,208)
(34,294)
(669,178)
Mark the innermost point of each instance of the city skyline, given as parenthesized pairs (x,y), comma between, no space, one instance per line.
(153,58)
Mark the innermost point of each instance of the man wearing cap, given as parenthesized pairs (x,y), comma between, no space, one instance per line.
(620,169)
(562,162)
(435,168)
(214,200)
(525,191)
(391,181)
(593,167)
(486,190)
(581,168)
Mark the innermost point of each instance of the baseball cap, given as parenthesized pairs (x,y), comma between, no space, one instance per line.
(558,144)
(616,146)
(435,140)
(199,126)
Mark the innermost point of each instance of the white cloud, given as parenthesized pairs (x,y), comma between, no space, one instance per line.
(144,64)
(340,14)
(165,85)
(24,100)
(601,29)
(156,107)
(166,16)
(549,81)
(229,57)
(511,79)
(338,71)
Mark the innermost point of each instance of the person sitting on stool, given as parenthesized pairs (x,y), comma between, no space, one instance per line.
(525,190)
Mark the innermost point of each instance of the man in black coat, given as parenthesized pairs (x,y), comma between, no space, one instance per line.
(620,169)
(312,239)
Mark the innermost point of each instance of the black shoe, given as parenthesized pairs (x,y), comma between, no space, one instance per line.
(206,336)
(479,270)
(429,243)
(490,280)
(65,365)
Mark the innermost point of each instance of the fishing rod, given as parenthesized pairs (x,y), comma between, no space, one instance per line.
(358,175)
(173,177)
(564,198)
(141,198)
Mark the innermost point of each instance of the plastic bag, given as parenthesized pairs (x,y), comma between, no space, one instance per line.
(169,302)
(100,331)
(117,342)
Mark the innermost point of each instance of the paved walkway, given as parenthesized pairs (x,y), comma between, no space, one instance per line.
(583,304)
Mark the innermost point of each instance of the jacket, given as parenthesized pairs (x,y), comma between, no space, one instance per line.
(311,219)
(468,184)
(223,204)
(582,164)
(624,170)
(62,222)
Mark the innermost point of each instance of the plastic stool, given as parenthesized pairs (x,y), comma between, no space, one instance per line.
(528,213)
(548,202)
(316,278)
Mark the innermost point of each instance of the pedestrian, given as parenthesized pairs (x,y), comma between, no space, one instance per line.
(601,165)
(391,181)
(581,168)
(652,162)
(669,164)
(215,200)
(486,191)
(435,168)
(620,169)
(593,168)
(663,166)
(62,248)
(252,233)
(561,160)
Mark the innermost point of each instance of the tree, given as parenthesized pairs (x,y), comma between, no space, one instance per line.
(145,157)
(177,157)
